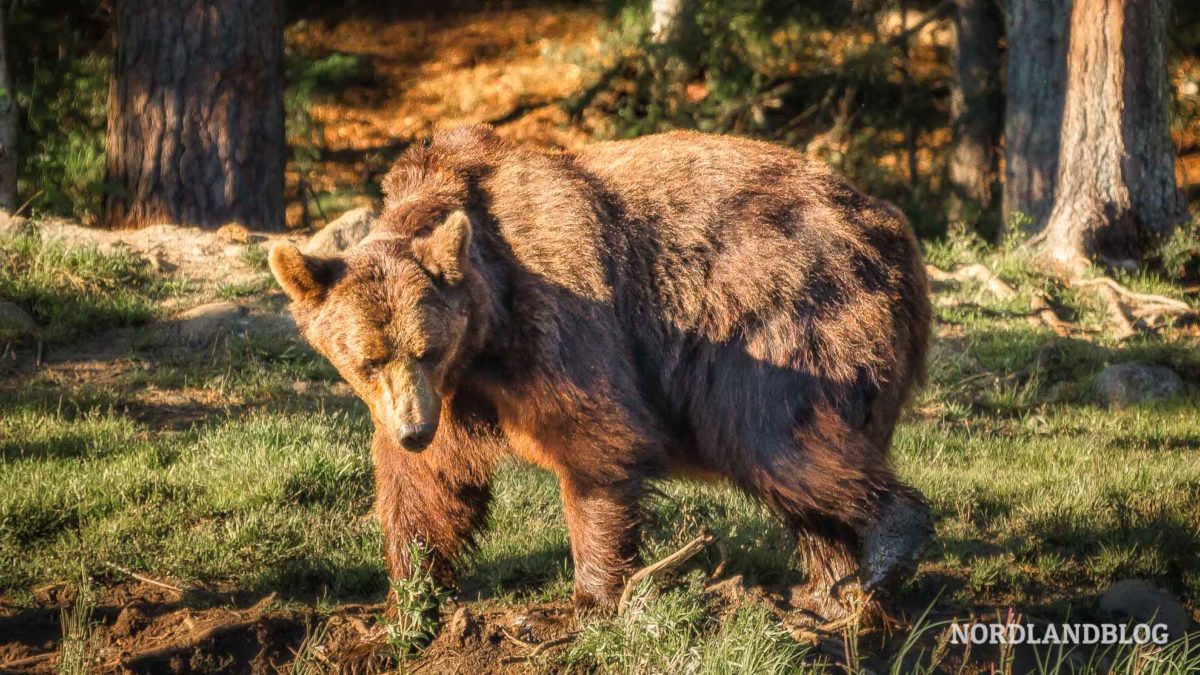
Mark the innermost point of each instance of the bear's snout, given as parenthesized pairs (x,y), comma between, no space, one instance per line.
(416,437)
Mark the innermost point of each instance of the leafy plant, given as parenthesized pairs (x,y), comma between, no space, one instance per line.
(413,621)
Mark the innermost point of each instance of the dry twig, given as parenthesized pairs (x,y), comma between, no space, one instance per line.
(149,580)
(678,557)
(539,649)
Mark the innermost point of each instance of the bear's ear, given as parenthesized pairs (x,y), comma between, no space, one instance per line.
(445,251)
(301,277)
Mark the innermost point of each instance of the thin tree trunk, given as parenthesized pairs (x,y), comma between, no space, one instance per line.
(1116,179)
(195,132)
(669,16)
(976,108)
(8,131)
(1037,54)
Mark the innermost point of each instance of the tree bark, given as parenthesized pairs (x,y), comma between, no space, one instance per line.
(976,108)
(195,131)
(1036,35)
(8,130)
(1116,178)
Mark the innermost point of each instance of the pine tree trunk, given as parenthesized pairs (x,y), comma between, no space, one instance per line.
(976,108)
(195,131)
(1116,179)
(1033,106)
(8,131)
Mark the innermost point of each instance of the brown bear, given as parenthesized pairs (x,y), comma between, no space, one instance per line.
(677,305)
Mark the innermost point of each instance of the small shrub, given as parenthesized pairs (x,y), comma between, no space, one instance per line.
(414,620)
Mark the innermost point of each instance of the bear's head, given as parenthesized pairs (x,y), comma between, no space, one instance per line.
(394,315)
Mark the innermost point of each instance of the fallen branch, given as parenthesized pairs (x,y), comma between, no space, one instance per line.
(678,557)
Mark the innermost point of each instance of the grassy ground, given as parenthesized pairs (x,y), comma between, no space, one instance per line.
(247,467)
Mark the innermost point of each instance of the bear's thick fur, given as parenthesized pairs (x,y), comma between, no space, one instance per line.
(676,305)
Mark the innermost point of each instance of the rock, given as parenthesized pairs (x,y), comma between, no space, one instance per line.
(1132,383)
(1136,600)
(342,233)
(15,323)
(206,323)
(234,233)
(272,326)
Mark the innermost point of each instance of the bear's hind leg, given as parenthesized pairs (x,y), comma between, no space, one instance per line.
(860,529)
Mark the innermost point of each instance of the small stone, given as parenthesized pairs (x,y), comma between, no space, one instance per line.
(1126,384)
(341,234)
(15,323)
(1135,600)
(208,322)
(300,387)
(232,251)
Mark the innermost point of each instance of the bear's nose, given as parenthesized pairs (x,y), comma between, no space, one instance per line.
(415,437)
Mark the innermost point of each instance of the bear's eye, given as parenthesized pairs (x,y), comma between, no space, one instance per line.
(371,368)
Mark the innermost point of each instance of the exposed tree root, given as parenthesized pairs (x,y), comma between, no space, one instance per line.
(1128,311)
(27,662)
(540,649)
(191,642)
(1041,314)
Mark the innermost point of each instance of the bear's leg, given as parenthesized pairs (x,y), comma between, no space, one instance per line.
(604,526)
(860,529)
(435,501)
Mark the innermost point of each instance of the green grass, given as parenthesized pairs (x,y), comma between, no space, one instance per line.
(71,292)
(245,465)
(683,630)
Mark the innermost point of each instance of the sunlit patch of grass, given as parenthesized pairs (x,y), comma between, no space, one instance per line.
(253,288)
(681,630)
(74,291)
